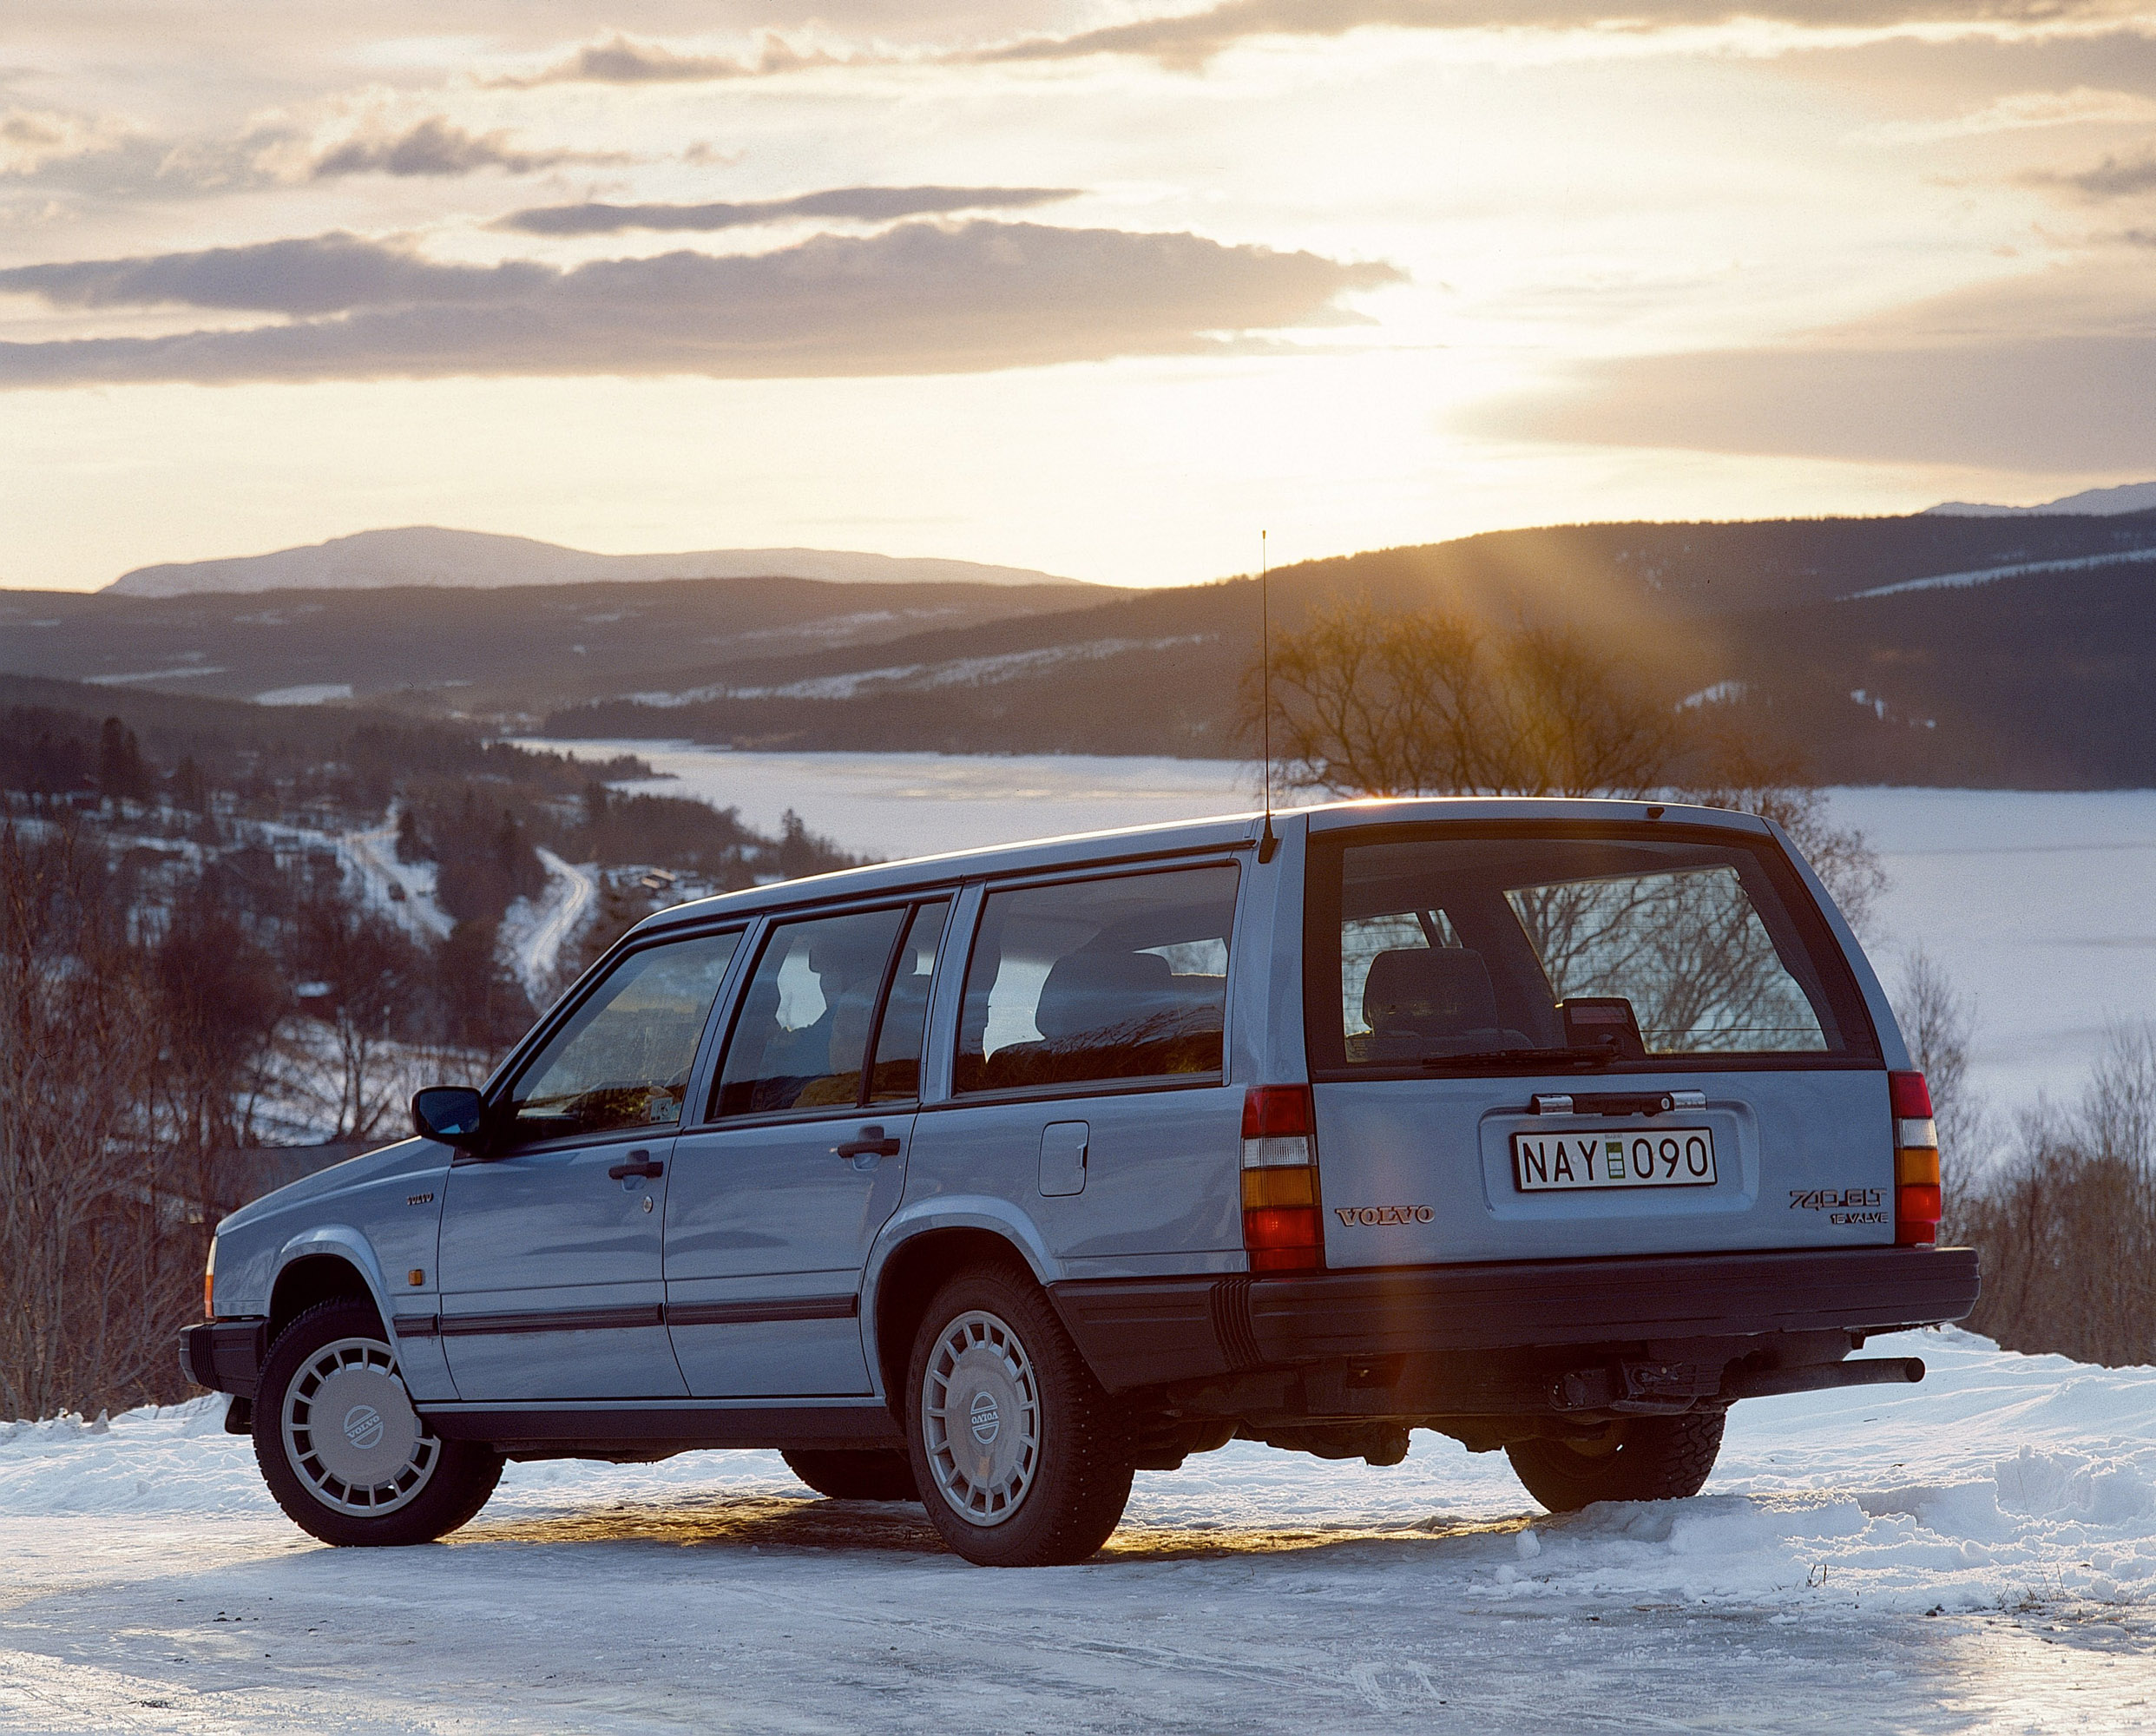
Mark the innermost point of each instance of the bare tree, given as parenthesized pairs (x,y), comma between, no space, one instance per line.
(2067,1222)
(1365,703)
(98,1257)
(1369,703)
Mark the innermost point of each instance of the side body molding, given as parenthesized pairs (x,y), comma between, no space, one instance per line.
(946,1212)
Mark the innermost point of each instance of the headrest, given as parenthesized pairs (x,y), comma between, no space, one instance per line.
(1435,990)
(1093,991)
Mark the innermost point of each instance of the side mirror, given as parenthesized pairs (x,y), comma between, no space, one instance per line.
(456,1114)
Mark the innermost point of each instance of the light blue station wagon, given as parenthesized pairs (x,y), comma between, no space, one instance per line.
(985,1180)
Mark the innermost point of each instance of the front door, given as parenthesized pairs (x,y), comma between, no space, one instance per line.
(774,1202)
(551,1276)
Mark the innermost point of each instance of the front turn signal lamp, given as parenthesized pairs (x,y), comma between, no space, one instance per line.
(1281,1228)
(1917,1206)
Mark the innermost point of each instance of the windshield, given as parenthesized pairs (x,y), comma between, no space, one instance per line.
(1428,946)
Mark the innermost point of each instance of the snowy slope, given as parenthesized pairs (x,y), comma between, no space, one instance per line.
(1977,1552)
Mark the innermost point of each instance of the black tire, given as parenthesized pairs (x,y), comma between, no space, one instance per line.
(862,1476)
(1648,1458)
(383,1477)
(1048,1475)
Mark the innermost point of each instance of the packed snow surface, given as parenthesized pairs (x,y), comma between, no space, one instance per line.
(1975,1552)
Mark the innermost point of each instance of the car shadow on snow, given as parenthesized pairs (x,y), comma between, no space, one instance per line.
(780,1522)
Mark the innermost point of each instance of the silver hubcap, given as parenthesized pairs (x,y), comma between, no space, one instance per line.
(350,1432)
(981,1418)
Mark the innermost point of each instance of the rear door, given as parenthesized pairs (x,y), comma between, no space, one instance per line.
(774,1201)
(1558,1040)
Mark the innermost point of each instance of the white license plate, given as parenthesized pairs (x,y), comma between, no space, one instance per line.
(1660,1157)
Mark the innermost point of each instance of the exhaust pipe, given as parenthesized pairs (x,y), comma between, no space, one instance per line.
(1767,1383)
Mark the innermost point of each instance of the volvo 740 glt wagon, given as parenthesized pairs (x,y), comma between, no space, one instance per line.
(988,1179)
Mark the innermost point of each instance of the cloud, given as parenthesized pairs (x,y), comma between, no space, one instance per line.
(1188,40)
(2045,374)
(2115,177)
(922,298)
(868,204)
(31,138)
(435,146)
(622,60)
(2019,111)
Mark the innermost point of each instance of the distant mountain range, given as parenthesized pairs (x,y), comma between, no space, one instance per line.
(1935,648)
(2128,497)
(423,554)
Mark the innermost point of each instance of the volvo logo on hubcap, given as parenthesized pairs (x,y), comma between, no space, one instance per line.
(362,1426)
(987,1420)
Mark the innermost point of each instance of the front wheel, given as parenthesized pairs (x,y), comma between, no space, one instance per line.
(341,1447)
(1019,1457)
(1639,1459)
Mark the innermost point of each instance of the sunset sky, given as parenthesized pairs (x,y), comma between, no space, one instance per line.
(1092,287)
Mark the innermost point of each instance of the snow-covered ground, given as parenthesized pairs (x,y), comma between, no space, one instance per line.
(2037,904)
(1975,1553)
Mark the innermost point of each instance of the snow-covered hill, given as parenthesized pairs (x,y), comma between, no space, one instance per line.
(427,555)
(1976,1552)
(2102,502)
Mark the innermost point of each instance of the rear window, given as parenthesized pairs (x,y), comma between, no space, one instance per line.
(1478,949)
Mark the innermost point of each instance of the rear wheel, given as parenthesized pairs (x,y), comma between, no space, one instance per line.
(1640,1459)
(859,1476)
(341,1447)
(1019,1457)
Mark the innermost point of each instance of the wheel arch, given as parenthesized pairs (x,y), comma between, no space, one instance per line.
(321,1266)
(911,1265)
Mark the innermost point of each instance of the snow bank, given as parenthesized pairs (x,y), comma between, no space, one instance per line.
(2002,1481)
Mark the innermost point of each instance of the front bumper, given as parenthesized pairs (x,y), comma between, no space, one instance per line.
(1159,1331)
(226,1356)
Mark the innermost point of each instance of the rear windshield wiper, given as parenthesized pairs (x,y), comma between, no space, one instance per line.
(1490,1058)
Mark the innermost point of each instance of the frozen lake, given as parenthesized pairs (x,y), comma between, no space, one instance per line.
(2038,904)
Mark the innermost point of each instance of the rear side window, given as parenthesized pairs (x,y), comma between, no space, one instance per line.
(809,1014)
(1427,947)
(1098,980)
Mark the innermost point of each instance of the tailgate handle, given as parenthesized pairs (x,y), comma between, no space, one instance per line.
(1614,1102)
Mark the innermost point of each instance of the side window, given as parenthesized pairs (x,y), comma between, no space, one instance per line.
(803,1031)
(1123,978)
(897,1076)
(622,1060)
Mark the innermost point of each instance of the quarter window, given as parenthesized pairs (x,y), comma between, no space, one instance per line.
(623,1059)
(1096,980)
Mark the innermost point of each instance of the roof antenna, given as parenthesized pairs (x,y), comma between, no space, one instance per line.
(1268,842)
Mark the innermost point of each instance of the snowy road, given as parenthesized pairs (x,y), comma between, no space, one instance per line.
(373,856)
(151,1587)
(533,932)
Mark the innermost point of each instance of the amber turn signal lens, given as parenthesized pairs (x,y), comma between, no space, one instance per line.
(1264,1187)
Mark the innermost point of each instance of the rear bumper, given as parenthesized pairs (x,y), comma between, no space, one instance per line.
(225,1356)
(1146,1333)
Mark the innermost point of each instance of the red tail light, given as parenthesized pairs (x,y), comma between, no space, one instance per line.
(1917,1206)
(1281,1227)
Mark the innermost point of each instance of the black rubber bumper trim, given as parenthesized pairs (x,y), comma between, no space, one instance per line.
(1150,1331)
(595,1428)
(225,1356)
